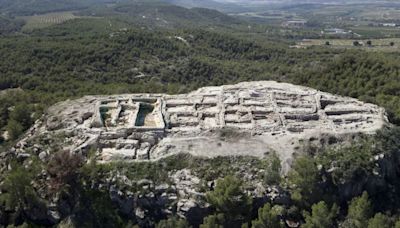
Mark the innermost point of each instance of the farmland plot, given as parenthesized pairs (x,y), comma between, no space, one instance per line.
(389,45)
(45,20)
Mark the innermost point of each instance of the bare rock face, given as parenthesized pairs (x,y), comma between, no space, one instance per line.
(250,118)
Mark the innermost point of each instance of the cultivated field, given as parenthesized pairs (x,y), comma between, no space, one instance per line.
(45,20)
(382,13)
(377,44)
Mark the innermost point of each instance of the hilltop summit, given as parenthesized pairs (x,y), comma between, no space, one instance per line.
(249,119)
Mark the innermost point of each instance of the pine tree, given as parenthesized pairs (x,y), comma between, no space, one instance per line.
(321,216)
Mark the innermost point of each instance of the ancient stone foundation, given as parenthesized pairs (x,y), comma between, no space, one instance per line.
(251,118)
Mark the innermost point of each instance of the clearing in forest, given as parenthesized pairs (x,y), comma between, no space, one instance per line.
(48,19)
(387,44)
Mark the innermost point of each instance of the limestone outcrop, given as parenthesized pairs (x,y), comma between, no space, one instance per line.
(250,118)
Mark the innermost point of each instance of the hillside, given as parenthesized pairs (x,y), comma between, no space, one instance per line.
(85,164)
(9,25)
(147,114)
(152,14)
(225,7)
(22,7)
(162,15)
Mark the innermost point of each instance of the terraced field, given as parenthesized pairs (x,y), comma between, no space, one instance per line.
(45,20)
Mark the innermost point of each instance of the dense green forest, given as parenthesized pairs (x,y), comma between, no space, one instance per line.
(85,57)
(9,26)
(158,14)
(116,51)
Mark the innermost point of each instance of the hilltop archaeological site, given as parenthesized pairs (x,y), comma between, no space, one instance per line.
(250,118)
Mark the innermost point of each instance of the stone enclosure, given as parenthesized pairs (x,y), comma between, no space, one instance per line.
(250,118)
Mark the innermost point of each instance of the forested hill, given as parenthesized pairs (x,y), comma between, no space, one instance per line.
(9,26)
(164,15)
(23,7)
(210,4)
(85,56)
(30,7)
(125,48)
(152,13)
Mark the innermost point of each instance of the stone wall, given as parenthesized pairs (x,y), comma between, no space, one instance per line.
(260,116)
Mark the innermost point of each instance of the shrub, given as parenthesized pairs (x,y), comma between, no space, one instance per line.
(213,221)
(22,114)
(173,222)
(360,210)
(321,216)
(273,170)
(14,129)
(303,180)
(63,169)
(380,221)
(268,217)
(228,198)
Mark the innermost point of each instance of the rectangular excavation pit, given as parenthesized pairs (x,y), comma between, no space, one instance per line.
(343,112)
(301,118)
(145,100)
(262,110)
(257,102)
(232,111)
(237,120)
(348,119)
(260,116)
(109,103)
(212,115)
(106,115)
(325,103)
(184,121)
(186,115)
(267,120)
(126,115)
(264,114)
(146,116)
(296,104)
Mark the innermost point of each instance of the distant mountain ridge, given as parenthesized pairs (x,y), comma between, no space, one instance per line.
(210,4)
(30,7)
(194,3)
